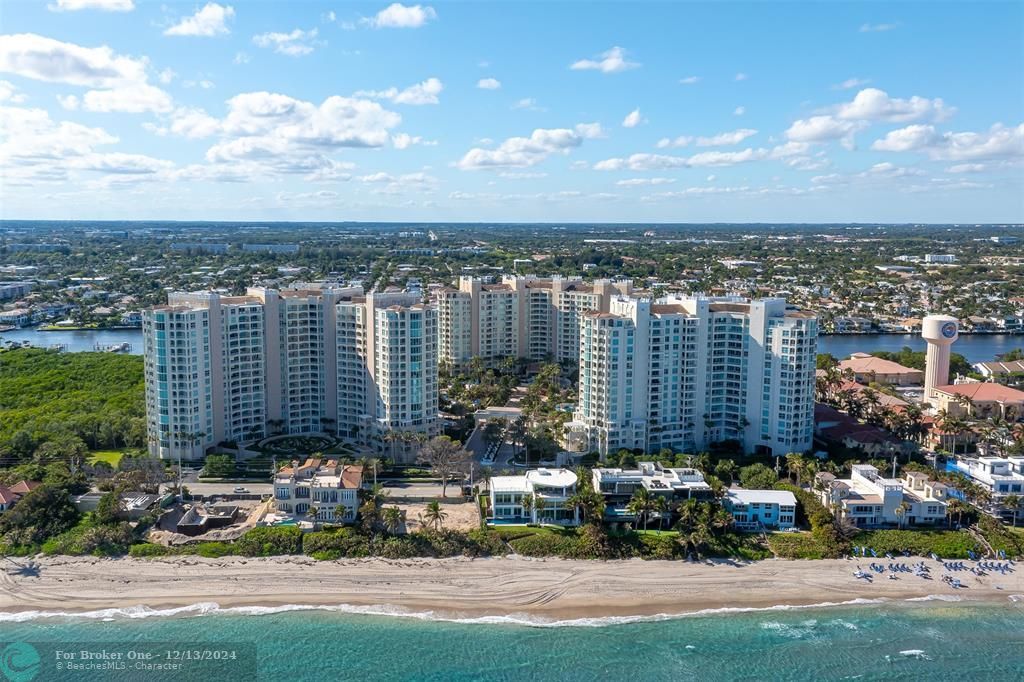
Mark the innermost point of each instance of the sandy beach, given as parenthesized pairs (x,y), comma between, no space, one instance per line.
(549,588)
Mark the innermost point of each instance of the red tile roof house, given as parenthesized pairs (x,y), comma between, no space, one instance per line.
(10,495)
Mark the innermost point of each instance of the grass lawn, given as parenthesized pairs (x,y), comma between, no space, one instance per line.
(111,457)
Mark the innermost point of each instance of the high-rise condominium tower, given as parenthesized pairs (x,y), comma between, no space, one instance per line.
(681,373)
(528,317)
(306,360)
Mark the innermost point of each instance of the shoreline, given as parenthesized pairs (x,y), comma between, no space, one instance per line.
(531,591)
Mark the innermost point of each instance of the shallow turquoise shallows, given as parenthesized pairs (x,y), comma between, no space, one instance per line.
(889,641)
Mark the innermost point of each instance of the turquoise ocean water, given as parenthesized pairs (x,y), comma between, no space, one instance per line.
(872,641)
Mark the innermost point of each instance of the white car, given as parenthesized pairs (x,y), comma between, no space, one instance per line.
(239,489)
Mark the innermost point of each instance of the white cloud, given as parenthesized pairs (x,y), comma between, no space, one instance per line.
(689,80)
(209,21)
(868,106)
(241,58)
(611,61)
(681,141)
(9,93)
(488,84)
(405,140)
(998,142)
(741,77)
(824,128)
(719,140)
(633,119)
(120,81)
(739,111)
(725,139)
(872,104)
(877,28)
(35,147)
(640,182)
(590,131)
(293,44)
(649,162)
(190,123)
(528,103)
(134,100)
(102,5)
(851,83)
(167,75)
(522,152)
(397,15)
(967,168)
(522,175)
(420,93)
(69,102)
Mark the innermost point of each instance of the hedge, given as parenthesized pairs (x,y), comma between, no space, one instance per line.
(952,544)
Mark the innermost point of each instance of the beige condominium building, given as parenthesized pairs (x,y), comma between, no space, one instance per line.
(306,360)
(529,317)
(681,373)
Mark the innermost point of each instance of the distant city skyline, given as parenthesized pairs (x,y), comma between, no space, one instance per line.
(512,112)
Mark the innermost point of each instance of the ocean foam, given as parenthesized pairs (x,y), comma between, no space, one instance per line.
(212,608)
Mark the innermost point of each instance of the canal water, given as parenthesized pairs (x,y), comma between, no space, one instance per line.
(975,347)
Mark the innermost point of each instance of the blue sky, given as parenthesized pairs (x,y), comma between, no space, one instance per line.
(511,111)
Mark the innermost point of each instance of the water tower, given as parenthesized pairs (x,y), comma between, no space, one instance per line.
(940,331)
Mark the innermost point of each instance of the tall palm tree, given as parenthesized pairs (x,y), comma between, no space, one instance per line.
(661,506)
(539,505)
(394,517)
(641,504)
(434,515)
(794,465)
(1012,502)
(957,507)
(527,504)
(901,513)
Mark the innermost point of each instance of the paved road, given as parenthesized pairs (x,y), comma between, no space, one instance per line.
(478,447)
(207,489)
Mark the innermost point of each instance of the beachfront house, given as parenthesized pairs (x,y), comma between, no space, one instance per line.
(330,488)
(547,492)
(869,499)
(761,509)
(618,486)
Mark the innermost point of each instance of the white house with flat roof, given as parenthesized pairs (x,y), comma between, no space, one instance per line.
(757,509)
(618,485)
(548,490)
(869,499)
(1002,476)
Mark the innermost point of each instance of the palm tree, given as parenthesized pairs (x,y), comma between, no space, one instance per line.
(955,507)
(901,513)
(486,474)
(394,517)
(312,513)
(434,515)
(661,506)
(641,504)
(795,465)
(1012,502)
(539,505)
(339,513)
(527,505)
